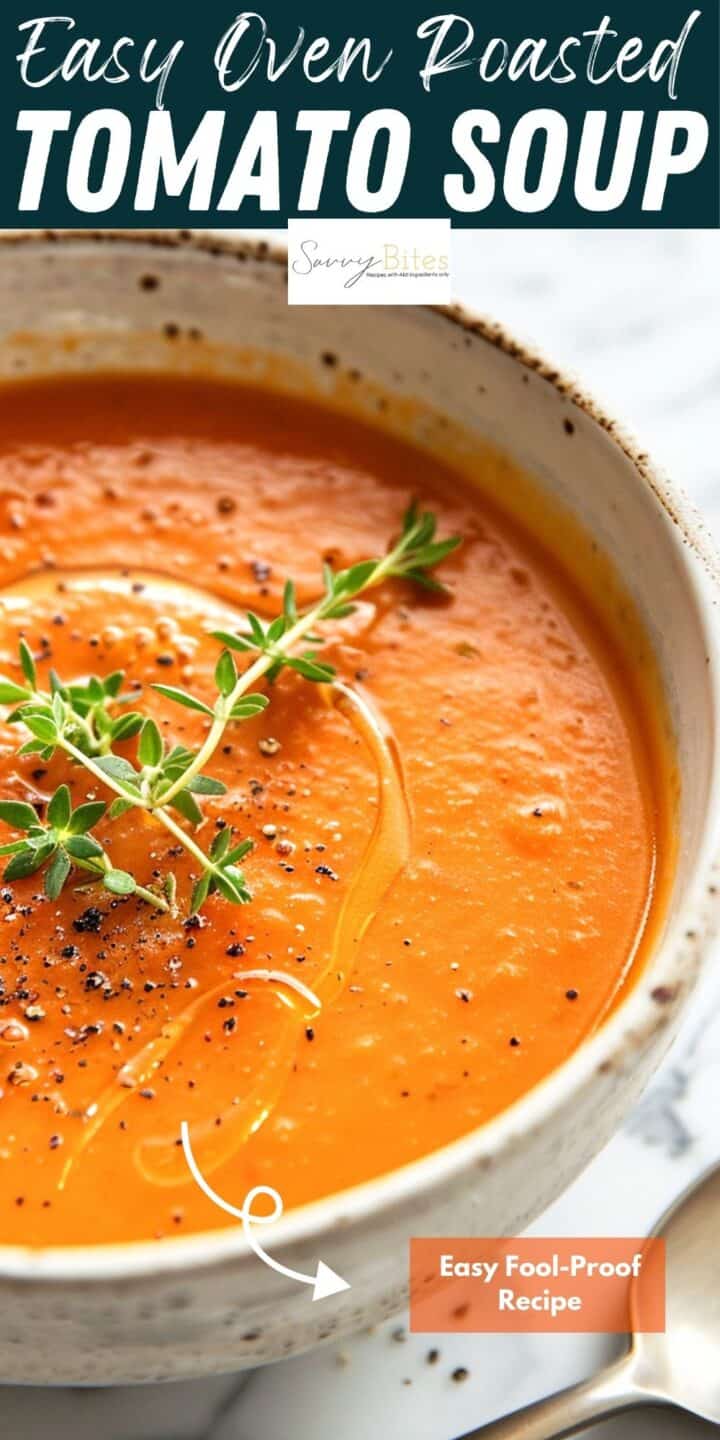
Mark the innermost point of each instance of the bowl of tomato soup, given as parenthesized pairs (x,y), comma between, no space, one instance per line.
(358,796)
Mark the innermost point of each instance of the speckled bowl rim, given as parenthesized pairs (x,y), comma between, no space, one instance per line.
(663,988)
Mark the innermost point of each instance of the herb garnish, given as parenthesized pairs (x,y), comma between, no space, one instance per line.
(85,720)
(62,843)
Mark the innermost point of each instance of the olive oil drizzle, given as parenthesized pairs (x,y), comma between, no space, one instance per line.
(387,852)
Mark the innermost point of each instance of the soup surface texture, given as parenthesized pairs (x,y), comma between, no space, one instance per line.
(458,852)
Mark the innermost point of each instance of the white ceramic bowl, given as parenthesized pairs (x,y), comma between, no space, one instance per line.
(204,1304)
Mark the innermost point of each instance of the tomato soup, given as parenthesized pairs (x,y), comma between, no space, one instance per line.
(460,847)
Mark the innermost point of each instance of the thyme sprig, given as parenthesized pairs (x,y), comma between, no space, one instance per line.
(55,724)
(413,556)
(80,710)
(64,842)
(80,719)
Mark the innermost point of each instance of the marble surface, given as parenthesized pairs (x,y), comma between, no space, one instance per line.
(638,317)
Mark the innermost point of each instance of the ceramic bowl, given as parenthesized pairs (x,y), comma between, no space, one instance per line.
(204,1304)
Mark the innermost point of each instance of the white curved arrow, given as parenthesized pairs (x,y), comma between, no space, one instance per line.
(324,1282)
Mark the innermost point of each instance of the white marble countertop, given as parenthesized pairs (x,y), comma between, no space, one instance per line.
(637,315)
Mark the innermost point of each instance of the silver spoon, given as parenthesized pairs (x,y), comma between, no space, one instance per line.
(680,1367)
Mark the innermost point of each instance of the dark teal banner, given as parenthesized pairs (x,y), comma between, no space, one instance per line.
(563,115)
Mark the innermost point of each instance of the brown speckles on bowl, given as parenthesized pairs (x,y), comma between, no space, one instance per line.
(664,994)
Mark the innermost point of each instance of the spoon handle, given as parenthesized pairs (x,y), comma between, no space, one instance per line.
(570,1410)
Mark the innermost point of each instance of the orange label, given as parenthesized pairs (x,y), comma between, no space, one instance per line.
(589,1285)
